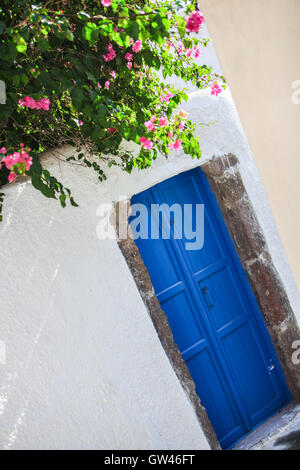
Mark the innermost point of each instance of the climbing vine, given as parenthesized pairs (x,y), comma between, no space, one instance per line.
(93,74)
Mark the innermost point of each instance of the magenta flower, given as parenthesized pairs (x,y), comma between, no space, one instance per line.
(113,74)
(163,121)
(146,143)
(11,177)
(180,49)
(17,160)
(44,104)
(166,97)
(128,56)
(29,102)
(177,144)
(197,52)
(169,43)
(11,160)
(2,150)
(153,118)
(181,125)
(129,65)
(216,89)
(106,3)
(111,53)
(137,46)
(170,134)
(106,84)
(28,163)
(111,130)
(149,125)
(194,22)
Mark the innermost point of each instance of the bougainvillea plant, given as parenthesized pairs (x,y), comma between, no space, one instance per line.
(93,74)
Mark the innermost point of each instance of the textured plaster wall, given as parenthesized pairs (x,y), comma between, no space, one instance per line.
(84,366)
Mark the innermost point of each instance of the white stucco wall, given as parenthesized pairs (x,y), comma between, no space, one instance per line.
(84,366)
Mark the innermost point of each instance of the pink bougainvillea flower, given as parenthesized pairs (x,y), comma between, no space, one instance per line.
(129,65)
(80,123)
(189,52)
(215,89)
(99,86)
(43,103)
(166,97)
(177,144)
(146,143)
(111,53)
(11,177)
(111,130)
(128,56)
(153,118)
(27,102)
(170,134)
(181,125)
(106,84)
(180,49)
(2,150)
(106,3)
(17,162)
(194,22)
(113,74)
(197,52)
(137,46)
(163,121)
(28,163)
(11,160)
(149,125)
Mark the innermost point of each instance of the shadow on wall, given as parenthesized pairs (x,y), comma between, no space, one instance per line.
(290,442)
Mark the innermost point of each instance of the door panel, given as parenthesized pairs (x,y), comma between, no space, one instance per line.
(213,314)
(216,400)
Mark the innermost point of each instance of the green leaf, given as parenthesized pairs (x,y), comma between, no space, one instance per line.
(62,199)
(43,44)
(21,44)
(73,203)
(90,31)
(181,25)
(133,29)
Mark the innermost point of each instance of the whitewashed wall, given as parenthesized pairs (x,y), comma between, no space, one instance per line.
(84,366)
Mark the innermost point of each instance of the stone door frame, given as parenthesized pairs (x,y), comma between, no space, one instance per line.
(226,182)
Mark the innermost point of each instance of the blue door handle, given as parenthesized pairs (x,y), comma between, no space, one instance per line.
(208,297)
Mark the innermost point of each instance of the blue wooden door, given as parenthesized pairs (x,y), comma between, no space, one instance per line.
(213,314)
